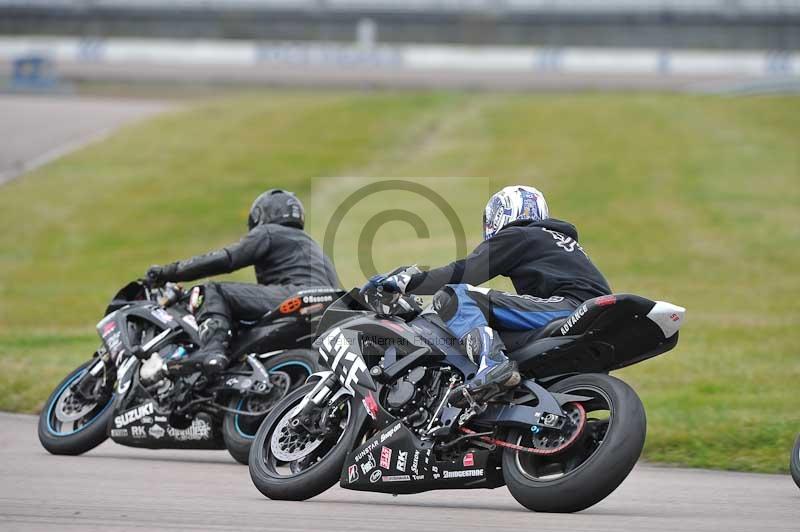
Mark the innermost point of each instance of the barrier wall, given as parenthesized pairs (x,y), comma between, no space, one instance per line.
(510,59)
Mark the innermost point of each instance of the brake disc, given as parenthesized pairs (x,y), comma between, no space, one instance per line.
(288,445)
(70,408)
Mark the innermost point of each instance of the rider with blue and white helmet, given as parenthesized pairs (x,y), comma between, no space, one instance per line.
(549,269)
(511,205)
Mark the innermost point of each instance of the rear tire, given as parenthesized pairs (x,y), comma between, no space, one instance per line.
(81,439)
(603,471)
(313,481)
(239,431)
(794,463)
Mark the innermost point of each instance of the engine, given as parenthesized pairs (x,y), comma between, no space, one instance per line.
(416,395)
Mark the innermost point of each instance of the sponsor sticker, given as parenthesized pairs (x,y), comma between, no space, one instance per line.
(390,432)
(415,463)
(199,430)
(135,414)
(397,478)
(366,450)
(402,460)
(369,465)
(317,299)
(370,405)
(572,320)
(138,431)
(157,431)
(386,457)
(352,473)
(375,476)
(463,473)
(469,460)
(119,433)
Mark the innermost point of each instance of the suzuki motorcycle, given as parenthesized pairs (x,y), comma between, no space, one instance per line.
(794,463)
(105,396)
(379,418)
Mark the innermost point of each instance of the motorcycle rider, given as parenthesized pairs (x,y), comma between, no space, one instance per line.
(551,273)
(286,259)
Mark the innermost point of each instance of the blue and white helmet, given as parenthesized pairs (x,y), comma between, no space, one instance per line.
(513,204)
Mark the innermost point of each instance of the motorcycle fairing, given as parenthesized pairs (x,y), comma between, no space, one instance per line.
(421,341)
(138,421)
(282,333)
(116,329)
(396,461)
(602,335)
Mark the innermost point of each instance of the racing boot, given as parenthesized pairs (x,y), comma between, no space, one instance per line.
(491,380)
(496,374)
(210,358)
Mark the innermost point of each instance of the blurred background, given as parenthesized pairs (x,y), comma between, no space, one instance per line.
(703,44)
(138,132)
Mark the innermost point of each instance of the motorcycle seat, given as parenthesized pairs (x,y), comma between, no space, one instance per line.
(517,339)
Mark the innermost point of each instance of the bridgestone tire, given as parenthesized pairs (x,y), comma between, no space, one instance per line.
(313,481)
(86,437)
(603,471)
(794,463)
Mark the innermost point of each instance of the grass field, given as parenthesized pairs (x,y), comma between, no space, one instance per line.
(689,199)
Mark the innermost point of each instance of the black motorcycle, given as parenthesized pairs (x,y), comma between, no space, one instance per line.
(379,419)
(105,396)
(794,462)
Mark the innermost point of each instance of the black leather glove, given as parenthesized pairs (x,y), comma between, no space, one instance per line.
(160,274)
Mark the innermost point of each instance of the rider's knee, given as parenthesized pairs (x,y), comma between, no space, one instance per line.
(445,302)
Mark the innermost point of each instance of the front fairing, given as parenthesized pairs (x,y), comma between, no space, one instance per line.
(131,292)
(120,331)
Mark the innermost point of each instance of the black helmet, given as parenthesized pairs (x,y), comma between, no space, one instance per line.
(277,206)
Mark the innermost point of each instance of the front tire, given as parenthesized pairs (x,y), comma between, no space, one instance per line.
(593,467)
(86,431)
(239,431)
(794,463)
(316,478)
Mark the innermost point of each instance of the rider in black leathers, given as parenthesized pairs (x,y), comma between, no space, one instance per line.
(286,259)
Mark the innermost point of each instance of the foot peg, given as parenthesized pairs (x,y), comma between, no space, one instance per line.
(472,410)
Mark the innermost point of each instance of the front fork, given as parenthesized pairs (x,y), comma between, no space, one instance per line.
(325,393)
(84,389)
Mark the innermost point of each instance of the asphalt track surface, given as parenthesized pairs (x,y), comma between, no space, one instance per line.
(117,488)
(37,129)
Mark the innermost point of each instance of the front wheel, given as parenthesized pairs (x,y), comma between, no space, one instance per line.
(71,422)
(794,463)
(289,463)
(595,465)
(287,372)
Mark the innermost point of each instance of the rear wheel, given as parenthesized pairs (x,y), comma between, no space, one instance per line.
(289,463)
(74,422)
(794,463)
(288,371)
(595,465)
